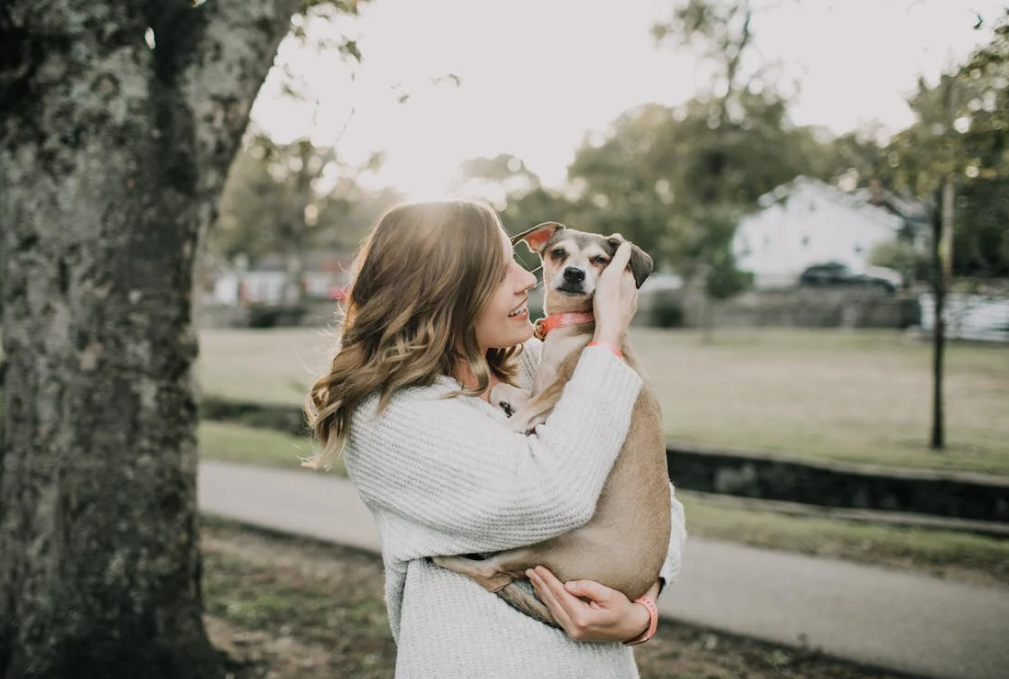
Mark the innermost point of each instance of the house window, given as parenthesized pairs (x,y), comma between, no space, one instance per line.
(858,248)
(805,241)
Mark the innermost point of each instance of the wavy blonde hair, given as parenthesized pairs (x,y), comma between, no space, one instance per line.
(420,280)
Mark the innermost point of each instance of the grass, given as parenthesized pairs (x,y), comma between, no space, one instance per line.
(857,396)
(860,397)
(284,607)
(949,554)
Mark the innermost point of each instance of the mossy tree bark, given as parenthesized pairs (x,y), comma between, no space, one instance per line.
(112,155)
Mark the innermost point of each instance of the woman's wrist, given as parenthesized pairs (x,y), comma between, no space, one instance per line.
(607,336)
(612,347)
(651,613)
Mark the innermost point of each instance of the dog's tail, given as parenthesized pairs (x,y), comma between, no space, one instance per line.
(525,601)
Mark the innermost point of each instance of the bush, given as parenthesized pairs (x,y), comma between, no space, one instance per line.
(275,316)
(667,311)
(901,256)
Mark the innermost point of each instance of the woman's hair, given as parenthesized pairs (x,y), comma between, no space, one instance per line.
(419,281)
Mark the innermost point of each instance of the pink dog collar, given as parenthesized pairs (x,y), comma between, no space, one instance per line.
(545,325)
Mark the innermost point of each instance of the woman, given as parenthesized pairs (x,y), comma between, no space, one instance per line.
(435,317)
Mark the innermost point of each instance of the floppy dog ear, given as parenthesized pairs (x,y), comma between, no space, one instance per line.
(641,263)
(536,238)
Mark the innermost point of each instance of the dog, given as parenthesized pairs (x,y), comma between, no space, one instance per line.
(624,545)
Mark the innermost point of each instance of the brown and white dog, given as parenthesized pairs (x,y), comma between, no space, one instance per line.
(624,545)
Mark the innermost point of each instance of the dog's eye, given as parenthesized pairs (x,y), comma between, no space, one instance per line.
(600,260)
(557,253)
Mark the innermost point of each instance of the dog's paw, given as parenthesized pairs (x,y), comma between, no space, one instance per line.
(502,396)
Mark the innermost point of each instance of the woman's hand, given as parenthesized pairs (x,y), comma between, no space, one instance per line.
(589,611)
(615,300)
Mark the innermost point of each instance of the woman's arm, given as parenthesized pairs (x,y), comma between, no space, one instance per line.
(589,611)
(442,464)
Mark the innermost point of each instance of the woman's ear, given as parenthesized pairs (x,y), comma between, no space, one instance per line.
(537,237)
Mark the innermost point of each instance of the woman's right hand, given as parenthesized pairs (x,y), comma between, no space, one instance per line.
(615,300)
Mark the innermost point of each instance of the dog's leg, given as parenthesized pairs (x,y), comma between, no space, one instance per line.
(488,574)
(525,601)
(535,411)
(485,572)
(508,398)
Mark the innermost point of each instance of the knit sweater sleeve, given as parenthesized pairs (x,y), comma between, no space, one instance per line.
(457,480)
(677,538)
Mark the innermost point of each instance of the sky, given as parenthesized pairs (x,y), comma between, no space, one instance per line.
(537,76)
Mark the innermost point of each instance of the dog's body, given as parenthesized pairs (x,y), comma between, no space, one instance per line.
(624,545)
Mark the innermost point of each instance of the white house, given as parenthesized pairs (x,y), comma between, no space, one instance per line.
(807,222)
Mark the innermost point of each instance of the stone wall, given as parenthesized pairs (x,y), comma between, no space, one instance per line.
(832,484)
(804,307)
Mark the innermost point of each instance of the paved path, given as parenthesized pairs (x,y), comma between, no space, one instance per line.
(877,616)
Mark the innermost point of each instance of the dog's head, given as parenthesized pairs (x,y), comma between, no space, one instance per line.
(572,262)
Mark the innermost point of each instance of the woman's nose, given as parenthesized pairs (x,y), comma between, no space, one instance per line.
(530,280)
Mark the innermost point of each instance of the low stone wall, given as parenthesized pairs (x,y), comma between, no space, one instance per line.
(831,484)
(805,307)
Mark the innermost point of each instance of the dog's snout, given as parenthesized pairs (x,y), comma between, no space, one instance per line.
(574,275)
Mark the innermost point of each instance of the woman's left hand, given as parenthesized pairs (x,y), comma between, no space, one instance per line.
(589,611)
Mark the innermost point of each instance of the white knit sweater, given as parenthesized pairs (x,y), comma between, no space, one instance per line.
(447,476)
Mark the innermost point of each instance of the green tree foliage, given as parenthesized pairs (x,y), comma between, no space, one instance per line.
(277,196)
(970,142)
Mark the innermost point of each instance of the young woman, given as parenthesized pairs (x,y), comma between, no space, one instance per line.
(435,317)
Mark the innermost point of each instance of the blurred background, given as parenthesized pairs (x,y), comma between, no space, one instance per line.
(824,187)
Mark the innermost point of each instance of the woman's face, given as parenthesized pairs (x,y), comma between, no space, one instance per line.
(504,320)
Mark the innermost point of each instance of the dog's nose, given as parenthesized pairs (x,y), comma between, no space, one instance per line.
(574,275)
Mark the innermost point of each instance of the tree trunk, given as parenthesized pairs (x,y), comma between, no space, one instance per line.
(938,438)
(111,158)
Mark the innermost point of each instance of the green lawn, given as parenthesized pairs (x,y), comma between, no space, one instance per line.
(860,396)
(239,443)
(951,554)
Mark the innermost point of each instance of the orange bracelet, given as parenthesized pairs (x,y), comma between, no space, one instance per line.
(616,352)
(653,622)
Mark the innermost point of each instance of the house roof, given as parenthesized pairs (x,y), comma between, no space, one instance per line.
(871,202)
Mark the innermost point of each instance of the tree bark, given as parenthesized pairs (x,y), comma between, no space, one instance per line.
(111,158)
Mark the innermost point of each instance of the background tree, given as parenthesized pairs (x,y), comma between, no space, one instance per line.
(113,151)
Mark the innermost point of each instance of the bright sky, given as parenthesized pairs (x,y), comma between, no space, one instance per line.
(538,75)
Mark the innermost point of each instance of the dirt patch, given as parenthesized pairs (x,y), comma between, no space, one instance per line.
(286,608)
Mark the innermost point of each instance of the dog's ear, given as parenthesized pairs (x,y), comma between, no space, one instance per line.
(641,263)
(537,237)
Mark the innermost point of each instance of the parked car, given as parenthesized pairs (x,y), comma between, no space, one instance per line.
(837,274)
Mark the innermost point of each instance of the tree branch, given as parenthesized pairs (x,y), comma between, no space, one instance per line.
(235,44)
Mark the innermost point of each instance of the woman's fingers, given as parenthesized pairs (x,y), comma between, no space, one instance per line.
(548,597)
(622,257)
(588,589)
(615,299)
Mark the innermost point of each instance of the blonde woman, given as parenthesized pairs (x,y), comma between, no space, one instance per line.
(435,317)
